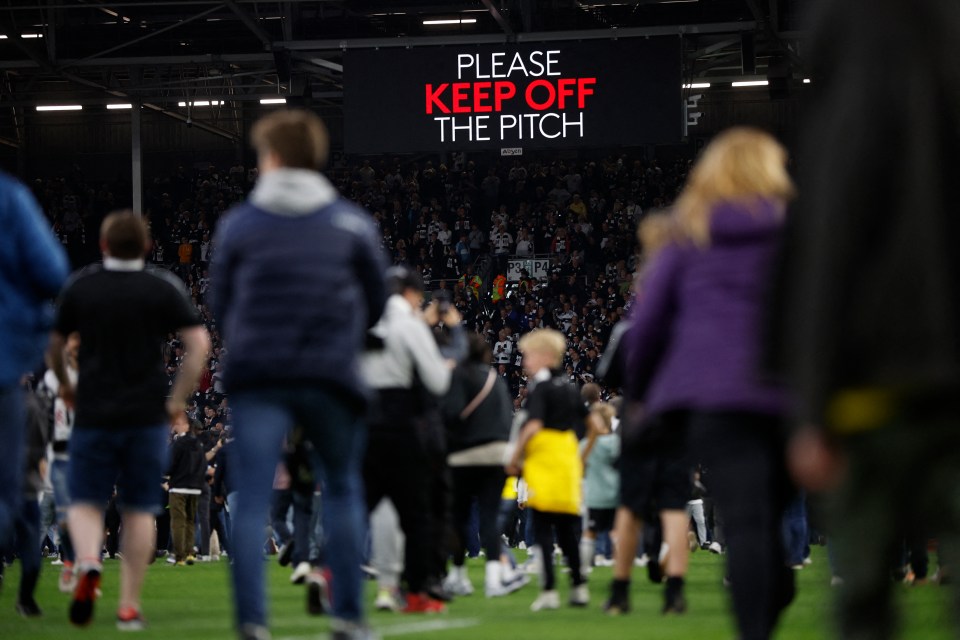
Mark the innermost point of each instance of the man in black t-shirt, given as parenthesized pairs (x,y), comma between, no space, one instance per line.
(123,313)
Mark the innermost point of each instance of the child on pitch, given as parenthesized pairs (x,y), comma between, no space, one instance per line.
(548,457)
(599,452)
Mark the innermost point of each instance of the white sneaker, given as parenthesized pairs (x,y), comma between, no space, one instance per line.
(642,561)
(386,601)
(580,596)
(171,559)
(458,584)
(203,558)
(522,545)
(300,573)
(502,580)
(715,547)
(546,600)
(600,560)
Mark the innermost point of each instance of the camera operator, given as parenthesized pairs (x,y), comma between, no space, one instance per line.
(408,372)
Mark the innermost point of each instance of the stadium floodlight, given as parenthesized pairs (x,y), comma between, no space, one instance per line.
(202,103)
(697,85)
(273,101)
(30,36)
(806,81)
(59,107)
(750,83)
(120,106)
(2,37)
(450,21)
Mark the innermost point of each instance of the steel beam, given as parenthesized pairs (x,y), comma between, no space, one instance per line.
(145,36)
(539,36)
(136,157)
(507,29)
(250,23)
(233,58)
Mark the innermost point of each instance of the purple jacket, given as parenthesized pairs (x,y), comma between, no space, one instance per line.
(694,340)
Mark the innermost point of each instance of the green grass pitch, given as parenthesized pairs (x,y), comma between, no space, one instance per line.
(186,603)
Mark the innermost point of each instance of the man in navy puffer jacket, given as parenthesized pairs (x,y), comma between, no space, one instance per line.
(297,278)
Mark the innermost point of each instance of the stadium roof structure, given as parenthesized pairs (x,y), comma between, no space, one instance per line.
(169,55)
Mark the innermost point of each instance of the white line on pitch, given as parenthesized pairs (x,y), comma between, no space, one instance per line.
(409,628)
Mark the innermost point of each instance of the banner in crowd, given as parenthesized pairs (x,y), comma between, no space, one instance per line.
(593,93)
(538,269)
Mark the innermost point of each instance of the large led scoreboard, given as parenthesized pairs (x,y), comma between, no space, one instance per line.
(595,93)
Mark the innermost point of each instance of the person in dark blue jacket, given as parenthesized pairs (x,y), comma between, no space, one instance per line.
(33,267)
(297,278)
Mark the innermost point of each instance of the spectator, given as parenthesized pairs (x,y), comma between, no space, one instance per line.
(397,464)
(710,284)
(187,473)
(546,452)
(32,269)
(875,230)
(317,257)
(120,431)
(478,413)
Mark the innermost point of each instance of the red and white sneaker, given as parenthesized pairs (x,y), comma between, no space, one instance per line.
(130,619)
(85,594)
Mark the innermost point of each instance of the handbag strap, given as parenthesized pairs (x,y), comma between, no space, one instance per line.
(480,397)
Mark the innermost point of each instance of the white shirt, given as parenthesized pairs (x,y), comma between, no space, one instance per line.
(407,344)
(502,351)
(62,416)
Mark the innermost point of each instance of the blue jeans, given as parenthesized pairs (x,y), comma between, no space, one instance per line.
(13,426)
(261,419)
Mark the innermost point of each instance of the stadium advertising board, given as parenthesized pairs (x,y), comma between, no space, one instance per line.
(535,96)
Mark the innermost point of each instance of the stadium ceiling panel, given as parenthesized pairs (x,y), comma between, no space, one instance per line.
(163,52)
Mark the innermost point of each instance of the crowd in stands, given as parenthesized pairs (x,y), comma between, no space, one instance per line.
(456,224)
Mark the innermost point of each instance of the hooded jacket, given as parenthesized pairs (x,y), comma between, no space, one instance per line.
(694,341)
(297,278)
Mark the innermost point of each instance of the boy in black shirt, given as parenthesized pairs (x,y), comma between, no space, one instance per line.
(547,451)
(123,313)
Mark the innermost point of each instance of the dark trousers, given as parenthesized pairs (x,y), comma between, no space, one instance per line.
(218,518)
(183,517)
(396,467)
(203,521)
(27,532)
(565,526)
(744,453)
(485,484)
(901,482)
(282,501)
(163,525)
(302,517)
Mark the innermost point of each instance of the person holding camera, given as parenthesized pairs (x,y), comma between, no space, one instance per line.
(406,369)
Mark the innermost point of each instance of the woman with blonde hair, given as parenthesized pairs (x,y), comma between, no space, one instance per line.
(693,352)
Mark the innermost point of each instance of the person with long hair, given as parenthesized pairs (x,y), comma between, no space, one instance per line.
(693,356)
